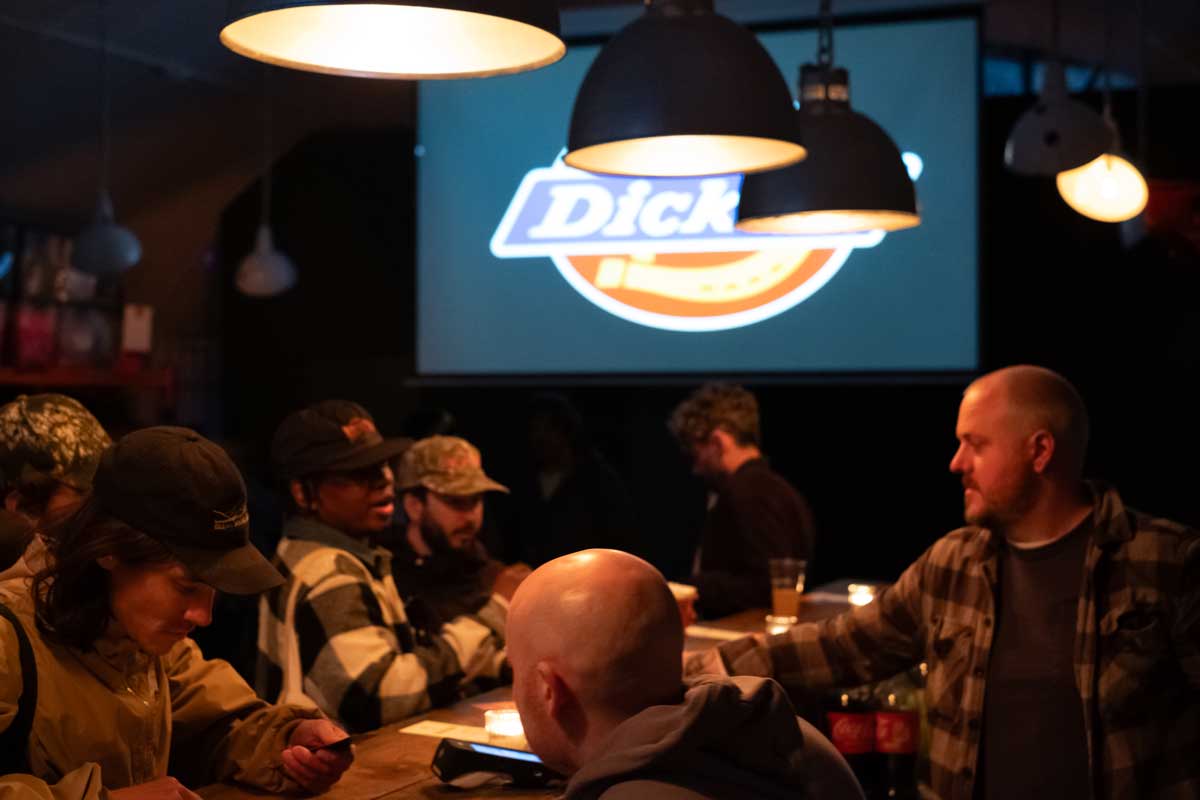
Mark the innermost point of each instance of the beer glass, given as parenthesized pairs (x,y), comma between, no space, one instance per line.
(787,584)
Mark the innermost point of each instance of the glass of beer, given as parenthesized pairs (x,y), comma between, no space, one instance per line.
(787,584)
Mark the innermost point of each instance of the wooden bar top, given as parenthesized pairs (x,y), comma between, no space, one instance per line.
(393,765)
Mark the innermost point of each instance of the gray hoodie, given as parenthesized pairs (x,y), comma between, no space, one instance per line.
(729,739)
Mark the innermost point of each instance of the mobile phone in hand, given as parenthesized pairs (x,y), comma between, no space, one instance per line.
(340,746)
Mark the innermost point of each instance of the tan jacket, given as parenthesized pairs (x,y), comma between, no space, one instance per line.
(115,717)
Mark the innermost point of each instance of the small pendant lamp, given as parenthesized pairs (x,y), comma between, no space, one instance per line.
(265,271)
(104,247)
(853,179)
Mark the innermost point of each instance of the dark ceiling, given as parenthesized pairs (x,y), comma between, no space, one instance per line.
(184,107)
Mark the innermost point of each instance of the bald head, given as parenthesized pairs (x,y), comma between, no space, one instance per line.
(1041,399)
(607,623)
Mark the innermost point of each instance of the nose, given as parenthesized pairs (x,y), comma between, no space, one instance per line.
(199,612)
(956,461)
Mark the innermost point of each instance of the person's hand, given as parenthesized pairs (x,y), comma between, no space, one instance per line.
(161,789)
(316,770)
(509,579)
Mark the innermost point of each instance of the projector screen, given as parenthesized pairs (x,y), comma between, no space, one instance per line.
(528,267)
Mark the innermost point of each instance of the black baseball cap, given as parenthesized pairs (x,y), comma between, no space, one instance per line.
(330,436)
(184,492)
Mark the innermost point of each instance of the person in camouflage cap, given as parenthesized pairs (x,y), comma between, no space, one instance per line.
(50,446)
(439,560)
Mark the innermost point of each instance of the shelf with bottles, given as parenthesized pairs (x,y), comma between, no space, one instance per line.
(58,326)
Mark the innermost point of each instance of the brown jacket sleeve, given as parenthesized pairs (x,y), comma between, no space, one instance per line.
(222,730)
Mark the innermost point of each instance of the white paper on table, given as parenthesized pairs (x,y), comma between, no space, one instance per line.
(447,730)
(705,632)
(825,597)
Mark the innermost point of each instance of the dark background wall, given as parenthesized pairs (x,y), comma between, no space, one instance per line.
(872,456)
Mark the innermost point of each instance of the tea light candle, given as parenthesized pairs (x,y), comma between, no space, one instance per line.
(779,624)
(503,722)
(860,594)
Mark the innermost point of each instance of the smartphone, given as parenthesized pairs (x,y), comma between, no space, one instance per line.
(340,746)
(455,758)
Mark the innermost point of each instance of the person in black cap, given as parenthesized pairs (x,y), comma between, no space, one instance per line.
(101,690)
(337,635)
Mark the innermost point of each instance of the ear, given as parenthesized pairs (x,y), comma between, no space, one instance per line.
(1041,450)
(299,494)
(12,501)
(557,697)
(414,509)
(107,562)
(721,440)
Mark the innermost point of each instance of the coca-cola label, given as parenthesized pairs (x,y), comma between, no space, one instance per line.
(896,732)
(852,734)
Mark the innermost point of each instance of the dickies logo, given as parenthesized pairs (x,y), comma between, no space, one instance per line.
(663,252)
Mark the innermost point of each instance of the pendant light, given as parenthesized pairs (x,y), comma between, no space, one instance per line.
(1057,133)
(413,39)
(104,247)
(265,271)
(1109,188)
(682,91)
(854,178)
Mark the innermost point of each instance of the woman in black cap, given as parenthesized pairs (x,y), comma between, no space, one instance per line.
(100,686)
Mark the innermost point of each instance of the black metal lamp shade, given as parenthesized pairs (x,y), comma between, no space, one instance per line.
(416,39)
(853,180)
(683,91)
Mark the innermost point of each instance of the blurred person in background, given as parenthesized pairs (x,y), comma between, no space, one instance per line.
(569,498)
(754,514)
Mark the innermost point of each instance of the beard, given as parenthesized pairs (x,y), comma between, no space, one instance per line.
(1005,506)
(440,542)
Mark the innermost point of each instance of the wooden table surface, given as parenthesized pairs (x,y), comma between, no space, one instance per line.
(393,765)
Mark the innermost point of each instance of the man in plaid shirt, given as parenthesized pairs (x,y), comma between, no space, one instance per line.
(1061,628)
(336,635)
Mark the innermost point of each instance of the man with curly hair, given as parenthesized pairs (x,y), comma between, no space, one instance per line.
(754,514)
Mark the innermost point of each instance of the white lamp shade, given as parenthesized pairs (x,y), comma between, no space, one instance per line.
(104,247)
(1057,134)
(1108,189)
(410,40)
(265,272)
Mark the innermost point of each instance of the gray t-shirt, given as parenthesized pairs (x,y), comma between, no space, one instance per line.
(1034,744)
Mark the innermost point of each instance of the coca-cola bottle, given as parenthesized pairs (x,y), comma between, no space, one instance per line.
(897,736)
(851,723)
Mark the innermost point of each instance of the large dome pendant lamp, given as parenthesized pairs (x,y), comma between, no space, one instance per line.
(104,247)
(853,179)
(413,39)
(682,91)
(1057,133)
(1109,188)
(265,271)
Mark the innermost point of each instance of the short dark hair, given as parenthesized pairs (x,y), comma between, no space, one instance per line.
(71,594)
(731,408)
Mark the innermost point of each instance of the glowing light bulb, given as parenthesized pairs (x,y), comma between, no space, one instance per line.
(1108,189)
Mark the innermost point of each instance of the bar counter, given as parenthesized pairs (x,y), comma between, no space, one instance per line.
(394,765)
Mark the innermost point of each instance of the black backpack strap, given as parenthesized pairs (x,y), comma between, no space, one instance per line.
(14,740)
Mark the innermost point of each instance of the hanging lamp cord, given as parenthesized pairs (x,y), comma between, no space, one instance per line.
(105,99)
(825,35)
(268,145)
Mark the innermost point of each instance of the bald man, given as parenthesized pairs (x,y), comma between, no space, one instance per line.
(1061,628)
(594,642)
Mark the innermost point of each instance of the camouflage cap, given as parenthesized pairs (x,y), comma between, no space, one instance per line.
(49,436)
(445,464)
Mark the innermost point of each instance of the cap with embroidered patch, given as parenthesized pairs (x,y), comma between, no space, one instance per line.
(445,464)
(184,492)
(330,436)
